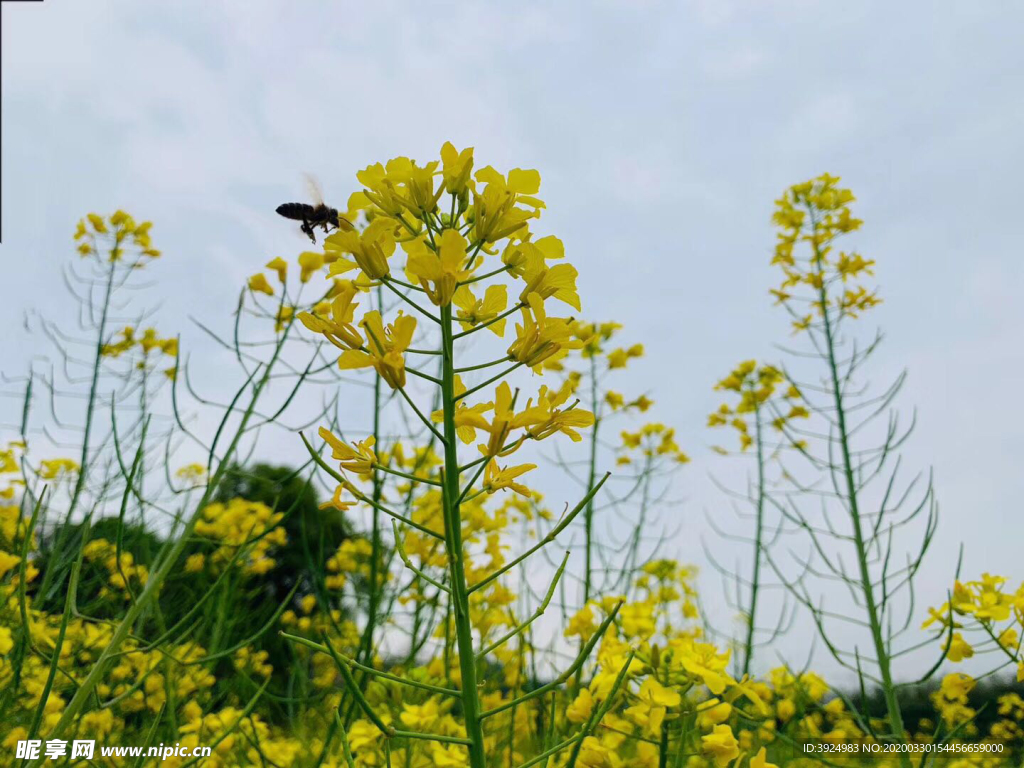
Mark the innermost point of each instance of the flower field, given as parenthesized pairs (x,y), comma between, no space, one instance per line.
(418,588)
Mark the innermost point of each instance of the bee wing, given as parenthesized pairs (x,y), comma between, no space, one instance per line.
(313,189)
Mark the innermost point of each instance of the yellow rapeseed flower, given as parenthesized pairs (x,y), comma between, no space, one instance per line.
(385,348)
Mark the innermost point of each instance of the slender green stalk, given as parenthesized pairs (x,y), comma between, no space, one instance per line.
(520,628)
(485,275)
(405,475)
(93,389)
(161,572)
(588,515)
(370,670)
(755,579)
(355,492)
(409,564)
(365,652)
(90,409)
(569,671)
(234,726)
(37,718)
(867,587)
(482,366)
(344,741)
(453,541)
(150,736)
(551,536)
(483,384)
(490,322)
(25,640)
(356,692)
(403,297)
(599,712)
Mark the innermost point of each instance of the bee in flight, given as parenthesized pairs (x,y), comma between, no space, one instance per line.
(317,214)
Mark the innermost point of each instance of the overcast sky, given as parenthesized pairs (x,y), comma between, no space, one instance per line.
(663,132)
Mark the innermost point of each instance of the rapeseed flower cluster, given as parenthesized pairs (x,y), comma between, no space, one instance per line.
(764,397)
(128,240)
(816,213)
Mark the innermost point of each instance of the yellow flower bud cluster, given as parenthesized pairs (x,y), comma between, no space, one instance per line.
(122,238)
(764,395)
(816,213)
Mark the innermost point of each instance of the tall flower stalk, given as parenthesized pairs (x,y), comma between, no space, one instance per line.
(462,260)
(823,291)
(646,460)
(765,403)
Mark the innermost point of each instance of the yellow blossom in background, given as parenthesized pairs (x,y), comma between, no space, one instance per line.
(51,469)
(258,283)
(193,474)
(581,708)
(815,214)
(123,239)
(763,397)
(284,317)
(280,266)
(760,760)
(251,526)
(310,263)
(720,745)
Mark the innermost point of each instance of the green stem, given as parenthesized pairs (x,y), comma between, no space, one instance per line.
(520,628)
(370,670)
(481,366)
(406,475)
(871,607)
(161,572)
(491,380)
(410,302)
(755,580)
(588,514)
(408,563)
(492,321)
(318,460)
(366,644)
(551,536)
(90,408)
(484,276)
(453,537)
